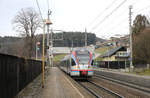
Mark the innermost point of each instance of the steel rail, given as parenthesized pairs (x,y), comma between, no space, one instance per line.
(107,90)
(131,85)
(90,90)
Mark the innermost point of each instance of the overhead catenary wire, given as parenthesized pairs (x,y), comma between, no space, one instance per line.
(142,9)
(48,4)
(136,1)
(138,12)
(120,22)
(123,29)
(43,56)
(102,12)
(117,31)
(123,12)
(119,15)
(127,18)
(108,15)
(39,10)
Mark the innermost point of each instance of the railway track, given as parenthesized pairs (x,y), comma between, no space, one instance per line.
(90,90)
(99,91)
(116,95)
(131,85)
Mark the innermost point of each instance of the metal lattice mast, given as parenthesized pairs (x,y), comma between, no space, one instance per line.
(130,30)
(85,37)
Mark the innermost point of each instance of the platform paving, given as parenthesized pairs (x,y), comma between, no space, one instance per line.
(57,85)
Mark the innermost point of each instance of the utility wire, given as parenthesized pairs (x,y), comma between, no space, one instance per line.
(117,31)
(119,15)
(108,15)
(114,27)
(39,10)
(121,22)
(136,1)
(123,12)
(123,29)
(48,4)
(103,12)
(142,9)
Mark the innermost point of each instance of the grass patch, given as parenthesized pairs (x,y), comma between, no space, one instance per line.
(145,72)
(99,58)
(59,57)
(102,50)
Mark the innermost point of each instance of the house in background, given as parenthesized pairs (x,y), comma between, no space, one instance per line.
(117,54)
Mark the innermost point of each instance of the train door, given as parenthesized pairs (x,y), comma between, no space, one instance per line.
(70,64)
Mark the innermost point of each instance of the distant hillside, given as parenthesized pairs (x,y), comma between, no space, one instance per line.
(69,39)
(10,45)
(100,40)
(14,45)
(9,39)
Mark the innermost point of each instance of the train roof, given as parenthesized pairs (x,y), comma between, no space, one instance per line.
(66,58)
(81,49)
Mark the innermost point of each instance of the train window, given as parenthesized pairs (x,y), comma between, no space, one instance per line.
(92,63)
(82,52)
(83,59)
(73,62)
(68,62)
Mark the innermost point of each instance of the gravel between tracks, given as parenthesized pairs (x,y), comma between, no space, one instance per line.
(97,90)
(120,89)
(134,79)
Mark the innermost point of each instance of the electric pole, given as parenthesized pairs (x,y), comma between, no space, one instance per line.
(51,49)
(130,30)
(48,22)
(85,37)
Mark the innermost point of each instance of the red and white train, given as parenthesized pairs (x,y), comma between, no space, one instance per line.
(78,64)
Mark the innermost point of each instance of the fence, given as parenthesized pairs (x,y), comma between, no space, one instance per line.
(112,64)
(16,73)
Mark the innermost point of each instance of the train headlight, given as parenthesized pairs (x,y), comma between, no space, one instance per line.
(76,67)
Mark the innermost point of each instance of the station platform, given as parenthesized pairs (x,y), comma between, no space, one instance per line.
(57,85)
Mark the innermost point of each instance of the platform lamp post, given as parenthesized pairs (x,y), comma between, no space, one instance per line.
(48,22)
(43,56)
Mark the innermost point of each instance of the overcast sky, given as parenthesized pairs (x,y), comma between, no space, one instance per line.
(76,15)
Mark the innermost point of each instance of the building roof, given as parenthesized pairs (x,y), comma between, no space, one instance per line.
(113,51)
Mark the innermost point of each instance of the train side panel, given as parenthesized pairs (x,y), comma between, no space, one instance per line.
(78,64)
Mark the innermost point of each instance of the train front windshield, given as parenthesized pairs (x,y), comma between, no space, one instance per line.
(83,57)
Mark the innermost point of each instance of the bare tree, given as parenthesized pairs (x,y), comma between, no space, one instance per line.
(139,24)
(141,46)
(27,22)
